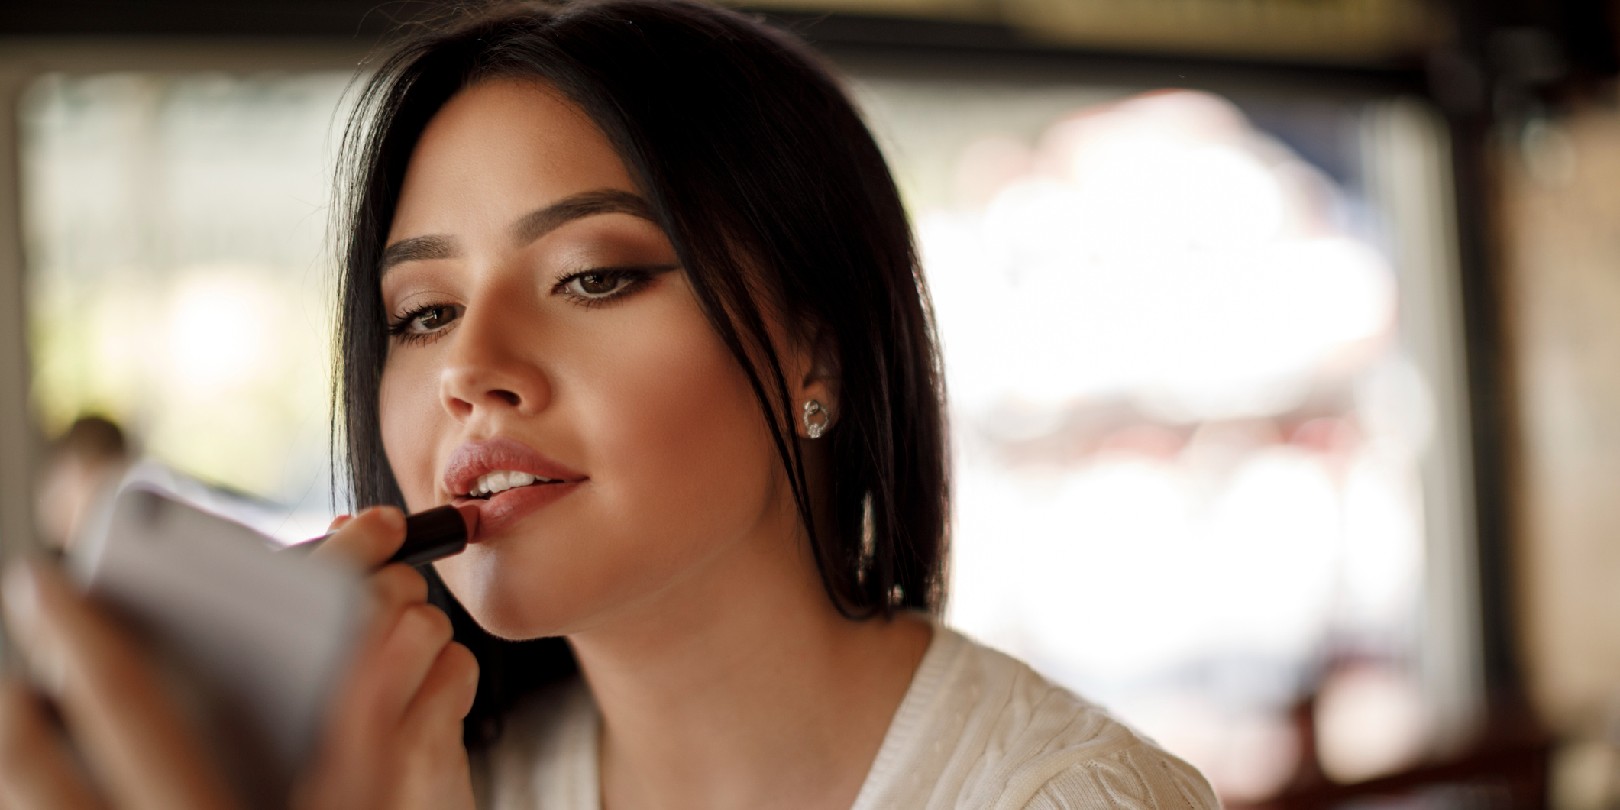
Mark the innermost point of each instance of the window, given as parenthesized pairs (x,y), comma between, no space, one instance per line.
(1207,463)
(179,277)
(1201,354)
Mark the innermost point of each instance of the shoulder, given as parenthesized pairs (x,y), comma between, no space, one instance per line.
(1046,746)
(997,734)
(1133,773)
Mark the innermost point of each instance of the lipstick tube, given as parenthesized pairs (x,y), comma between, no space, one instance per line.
(430,535)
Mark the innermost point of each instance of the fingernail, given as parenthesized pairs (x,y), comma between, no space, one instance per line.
(339,521)
(384,516)
(392,518)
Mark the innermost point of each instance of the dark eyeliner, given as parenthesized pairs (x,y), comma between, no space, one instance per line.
(634,277)
(399,327)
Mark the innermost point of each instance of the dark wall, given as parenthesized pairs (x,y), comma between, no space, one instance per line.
(169,18)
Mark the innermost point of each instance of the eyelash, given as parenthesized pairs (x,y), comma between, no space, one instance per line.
(632,277)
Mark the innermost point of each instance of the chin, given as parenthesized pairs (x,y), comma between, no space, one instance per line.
(512,628)
(511,621)
(504,608)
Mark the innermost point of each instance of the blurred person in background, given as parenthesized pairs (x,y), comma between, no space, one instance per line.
(633,279)
(85,461)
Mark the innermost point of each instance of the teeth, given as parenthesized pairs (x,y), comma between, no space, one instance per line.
(499,481)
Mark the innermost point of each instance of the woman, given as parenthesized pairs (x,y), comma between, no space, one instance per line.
(633,279)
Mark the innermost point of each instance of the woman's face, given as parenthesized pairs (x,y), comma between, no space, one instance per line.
(550,363)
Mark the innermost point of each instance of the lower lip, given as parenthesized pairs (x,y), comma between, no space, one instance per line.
(502,511)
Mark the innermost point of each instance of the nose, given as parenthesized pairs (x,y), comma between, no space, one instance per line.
(492,365)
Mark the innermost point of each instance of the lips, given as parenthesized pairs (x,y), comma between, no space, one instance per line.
(473,460)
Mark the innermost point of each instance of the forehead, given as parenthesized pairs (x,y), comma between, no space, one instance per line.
(499,148)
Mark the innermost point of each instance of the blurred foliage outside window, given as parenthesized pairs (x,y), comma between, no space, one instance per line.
(176,235)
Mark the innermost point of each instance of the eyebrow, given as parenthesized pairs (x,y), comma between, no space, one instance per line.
(527,228)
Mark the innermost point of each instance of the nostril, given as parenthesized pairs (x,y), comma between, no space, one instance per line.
(468,387)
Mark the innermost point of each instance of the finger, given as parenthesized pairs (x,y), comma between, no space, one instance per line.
(361,732)
(128,728)
(396,589)
(445,695)
(37,769)
(407,656)
(387,674)
(432,761)
(395,586)
(366,540)
(355,743)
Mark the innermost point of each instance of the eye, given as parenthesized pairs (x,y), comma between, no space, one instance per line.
(424,323)
(600,286)
(597,285)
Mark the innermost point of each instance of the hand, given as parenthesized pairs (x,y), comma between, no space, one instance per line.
(132,736)
(393,739)
(394,736)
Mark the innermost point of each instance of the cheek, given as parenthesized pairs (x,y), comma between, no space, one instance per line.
(697,413)
(407,405)
(683,437)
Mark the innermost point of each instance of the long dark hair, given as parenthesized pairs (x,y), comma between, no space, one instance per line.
(776,200)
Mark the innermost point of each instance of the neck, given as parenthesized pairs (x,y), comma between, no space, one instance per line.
(744,687)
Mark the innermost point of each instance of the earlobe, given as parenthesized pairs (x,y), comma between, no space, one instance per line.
(816,418)
(818,393)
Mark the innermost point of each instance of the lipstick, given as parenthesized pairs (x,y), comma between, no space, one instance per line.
(429,535)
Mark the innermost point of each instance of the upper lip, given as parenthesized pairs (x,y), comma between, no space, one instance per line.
(474,460)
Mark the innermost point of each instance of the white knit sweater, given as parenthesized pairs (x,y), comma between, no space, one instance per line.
(976,729)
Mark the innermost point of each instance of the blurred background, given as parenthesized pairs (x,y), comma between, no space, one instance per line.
(1299,320)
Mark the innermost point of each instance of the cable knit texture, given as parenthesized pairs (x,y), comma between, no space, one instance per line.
(976,729)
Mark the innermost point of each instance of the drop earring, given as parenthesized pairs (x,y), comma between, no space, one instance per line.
(813,426)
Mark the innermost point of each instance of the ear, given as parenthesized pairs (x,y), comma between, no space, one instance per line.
(816,377)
